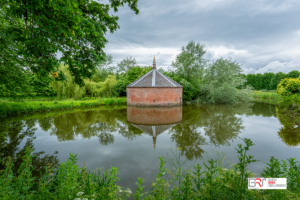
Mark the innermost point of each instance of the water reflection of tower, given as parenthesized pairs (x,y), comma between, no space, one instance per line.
(154,120)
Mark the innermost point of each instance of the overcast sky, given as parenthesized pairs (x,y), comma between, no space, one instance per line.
(262,35)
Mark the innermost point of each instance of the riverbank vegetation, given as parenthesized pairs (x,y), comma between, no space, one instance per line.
(219,81)
(8,107)
(212,181)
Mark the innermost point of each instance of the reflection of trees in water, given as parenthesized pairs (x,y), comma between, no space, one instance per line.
(189,139)
(263,109)
(11,136)
(289,117)
(223,123)
(220,123)
(45,123)
(100,123)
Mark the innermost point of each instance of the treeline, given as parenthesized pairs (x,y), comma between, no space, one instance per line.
(220,81)
(269,80)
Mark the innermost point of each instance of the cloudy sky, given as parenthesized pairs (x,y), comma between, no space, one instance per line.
(262,35)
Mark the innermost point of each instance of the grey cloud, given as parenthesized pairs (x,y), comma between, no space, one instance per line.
(265,30)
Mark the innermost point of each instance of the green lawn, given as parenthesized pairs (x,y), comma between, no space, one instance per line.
(22,106)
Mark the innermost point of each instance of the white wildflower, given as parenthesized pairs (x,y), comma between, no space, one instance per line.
(79,194)
(77,199)
(120,191)
(129,191)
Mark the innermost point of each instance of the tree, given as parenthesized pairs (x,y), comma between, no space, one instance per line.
(250,80)
(276,80)
(104,69)
(293,74)
(266,80)
(258,82)
(41,28)
(190,62)
(13,77)
(128,77)
(126,64)
(221,81)
(106,64)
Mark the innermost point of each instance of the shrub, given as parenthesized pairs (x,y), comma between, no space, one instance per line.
(289,86)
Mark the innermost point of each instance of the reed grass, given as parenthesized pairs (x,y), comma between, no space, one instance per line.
(266,95)
(8,108)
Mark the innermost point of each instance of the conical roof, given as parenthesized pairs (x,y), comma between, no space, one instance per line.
(154,130)
(154,79)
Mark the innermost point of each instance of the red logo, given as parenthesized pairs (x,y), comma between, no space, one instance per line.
(258,181)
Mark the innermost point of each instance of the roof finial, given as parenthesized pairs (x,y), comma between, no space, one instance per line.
(154,63)
(154,142)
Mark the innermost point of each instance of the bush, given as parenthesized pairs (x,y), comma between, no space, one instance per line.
(289,86)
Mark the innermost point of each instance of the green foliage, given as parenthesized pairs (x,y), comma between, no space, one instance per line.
(266,80)
(189,91)
(276,80)
(41,85)
(69,89)
(189,63)
(266,95)
(221,81)
(41,28)
(289,86)
(283,169)
(126,64)
(128,77)
(258,82)
(293,74)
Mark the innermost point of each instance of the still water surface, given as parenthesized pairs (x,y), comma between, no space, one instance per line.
(132,138)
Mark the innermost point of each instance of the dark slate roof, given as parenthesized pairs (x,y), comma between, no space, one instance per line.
(154,79)
(154,130)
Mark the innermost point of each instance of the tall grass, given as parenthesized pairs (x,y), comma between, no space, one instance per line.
(266,95)
(211,182)
(8,108)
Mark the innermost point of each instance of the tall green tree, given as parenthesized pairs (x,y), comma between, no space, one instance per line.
(13,77)
(258,82)
(41,28)
(276,80)
(266,80)
(189,64)
(293,74)
(250,80)
(221,80)
(126,64)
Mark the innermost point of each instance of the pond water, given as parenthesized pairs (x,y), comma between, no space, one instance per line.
(133,138)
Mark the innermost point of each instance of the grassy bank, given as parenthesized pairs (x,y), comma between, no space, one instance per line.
(259,94)
(211,182)
(24,106)
(274,98)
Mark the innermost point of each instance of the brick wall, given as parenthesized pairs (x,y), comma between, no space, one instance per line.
(154,115)
(154,96)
